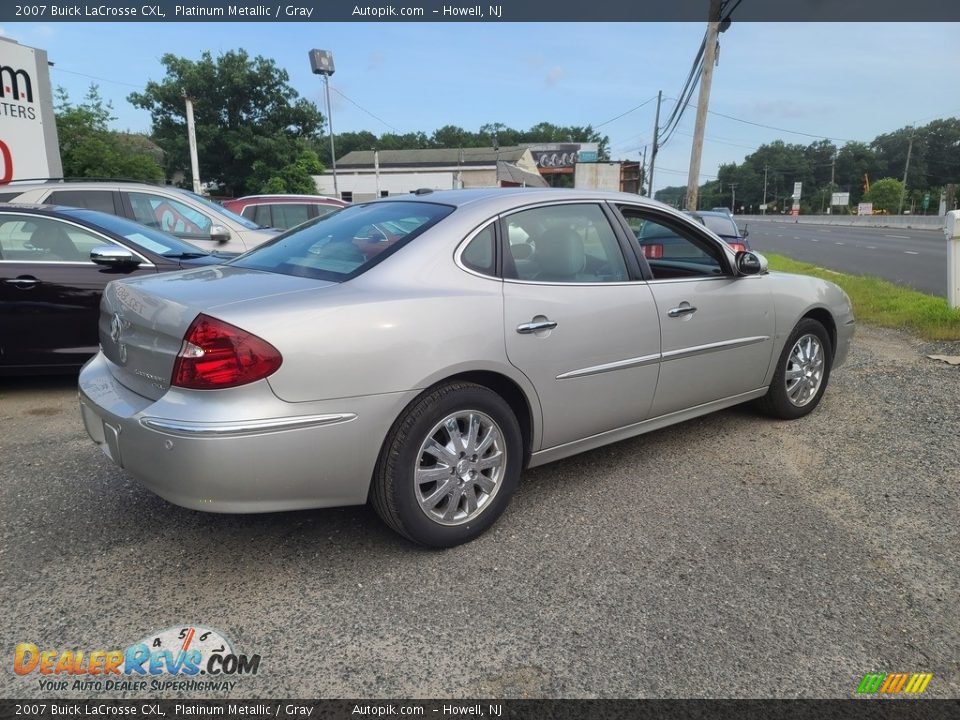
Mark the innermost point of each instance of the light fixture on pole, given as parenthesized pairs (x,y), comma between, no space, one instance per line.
(321,62)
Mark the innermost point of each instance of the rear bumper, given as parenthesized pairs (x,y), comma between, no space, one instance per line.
(241,450)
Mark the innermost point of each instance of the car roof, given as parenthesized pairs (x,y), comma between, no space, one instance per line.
(87,184)
(287,196)
(513,197)
(711,213)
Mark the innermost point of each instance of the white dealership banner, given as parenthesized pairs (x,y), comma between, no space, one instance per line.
(29,148)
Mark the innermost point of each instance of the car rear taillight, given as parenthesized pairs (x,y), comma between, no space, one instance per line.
(217,355)
(652,251)
(737,247)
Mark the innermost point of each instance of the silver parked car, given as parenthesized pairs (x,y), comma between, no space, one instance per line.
(420,351)
(186,215)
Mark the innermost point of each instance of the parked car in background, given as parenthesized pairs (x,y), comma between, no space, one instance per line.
(726,211)
(283,211)
(187,215)
(424,377)
(54,264)
(723,224)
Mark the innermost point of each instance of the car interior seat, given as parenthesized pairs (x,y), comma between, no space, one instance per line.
(560,255)
(54,240)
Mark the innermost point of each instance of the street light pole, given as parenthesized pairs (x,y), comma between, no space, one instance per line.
(333,151)
(321,62)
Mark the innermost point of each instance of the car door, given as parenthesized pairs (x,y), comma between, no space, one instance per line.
(579,321)
(50,290)
(717,327)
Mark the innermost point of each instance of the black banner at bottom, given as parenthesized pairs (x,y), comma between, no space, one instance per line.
(858,709)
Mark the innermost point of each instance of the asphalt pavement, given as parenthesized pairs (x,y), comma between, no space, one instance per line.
(730,556)
(914,258)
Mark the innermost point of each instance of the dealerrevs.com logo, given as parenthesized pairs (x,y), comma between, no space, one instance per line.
(191,658)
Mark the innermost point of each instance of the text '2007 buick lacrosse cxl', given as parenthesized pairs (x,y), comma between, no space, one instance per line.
(419,351)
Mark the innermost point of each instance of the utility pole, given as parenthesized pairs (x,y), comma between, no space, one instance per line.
(906,169)
(192,139)
(643,171)
(376,168)
(709,60)
(656,132)
(765,168)
(733,197)
(833,167)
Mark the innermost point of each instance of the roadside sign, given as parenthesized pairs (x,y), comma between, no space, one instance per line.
(865,209)
(29,147)
(840,198)
(797,187)
(763,206)
(795,210)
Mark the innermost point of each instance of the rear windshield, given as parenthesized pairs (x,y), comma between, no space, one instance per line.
(346,243)
(720,225)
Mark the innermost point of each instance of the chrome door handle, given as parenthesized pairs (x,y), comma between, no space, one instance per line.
(681,311)
(532,327)
(22,282)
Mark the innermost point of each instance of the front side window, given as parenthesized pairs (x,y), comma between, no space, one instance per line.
(32,238)
(569,243)
(169,215)
(670,251)
(344,244)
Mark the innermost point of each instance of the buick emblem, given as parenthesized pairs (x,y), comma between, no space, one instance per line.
(116,327)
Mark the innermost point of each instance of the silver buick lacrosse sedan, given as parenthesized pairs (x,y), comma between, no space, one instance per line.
(418,352)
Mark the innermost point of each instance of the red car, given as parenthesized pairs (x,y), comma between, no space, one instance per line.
(283,211)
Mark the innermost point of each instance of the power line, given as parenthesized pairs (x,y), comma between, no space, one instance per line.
(358,105)
(624,114)
(94,77)
(773,127)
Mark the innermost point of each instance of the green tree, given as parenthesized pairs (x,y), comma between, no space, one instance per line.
(245,112)
(295,177)
(89,149)
(885,194)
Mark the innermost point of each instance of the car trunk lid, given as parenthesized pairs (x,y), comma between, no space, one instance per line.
(143,320)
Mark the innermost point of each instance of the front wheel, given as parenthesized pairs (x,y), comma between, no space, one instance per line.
(449,465)
(802,372)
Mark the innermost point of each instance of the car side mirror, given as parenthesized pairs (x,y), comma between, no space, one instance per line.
(750,263)
(219,234)
(112,256)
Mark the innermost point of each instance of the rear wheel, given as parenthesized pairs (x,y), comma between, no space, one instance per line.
(449,465)
(802,372)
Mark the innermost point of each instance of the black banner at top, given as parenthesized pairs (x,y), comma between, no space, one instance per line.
(165,11)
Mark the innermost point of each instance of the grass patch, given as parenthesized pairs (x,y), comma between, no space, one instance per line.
(880,302)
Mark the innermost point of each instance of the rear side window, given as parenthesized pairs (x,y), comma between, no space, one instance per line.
(566,243)
(345,244)
(478,255)
(101,200)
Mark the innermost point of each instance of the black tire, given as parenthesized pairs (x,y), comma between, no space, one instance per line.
(394,489)
(776,402)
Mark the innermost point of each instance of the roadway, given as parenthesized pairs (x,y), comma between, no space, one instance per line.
(915,258)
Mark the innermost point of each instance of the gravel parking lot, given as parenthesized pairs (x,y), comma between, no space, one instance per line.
(731,556)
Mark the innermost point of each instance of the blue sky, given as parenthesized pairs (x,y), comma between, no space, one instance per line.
(842,81)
